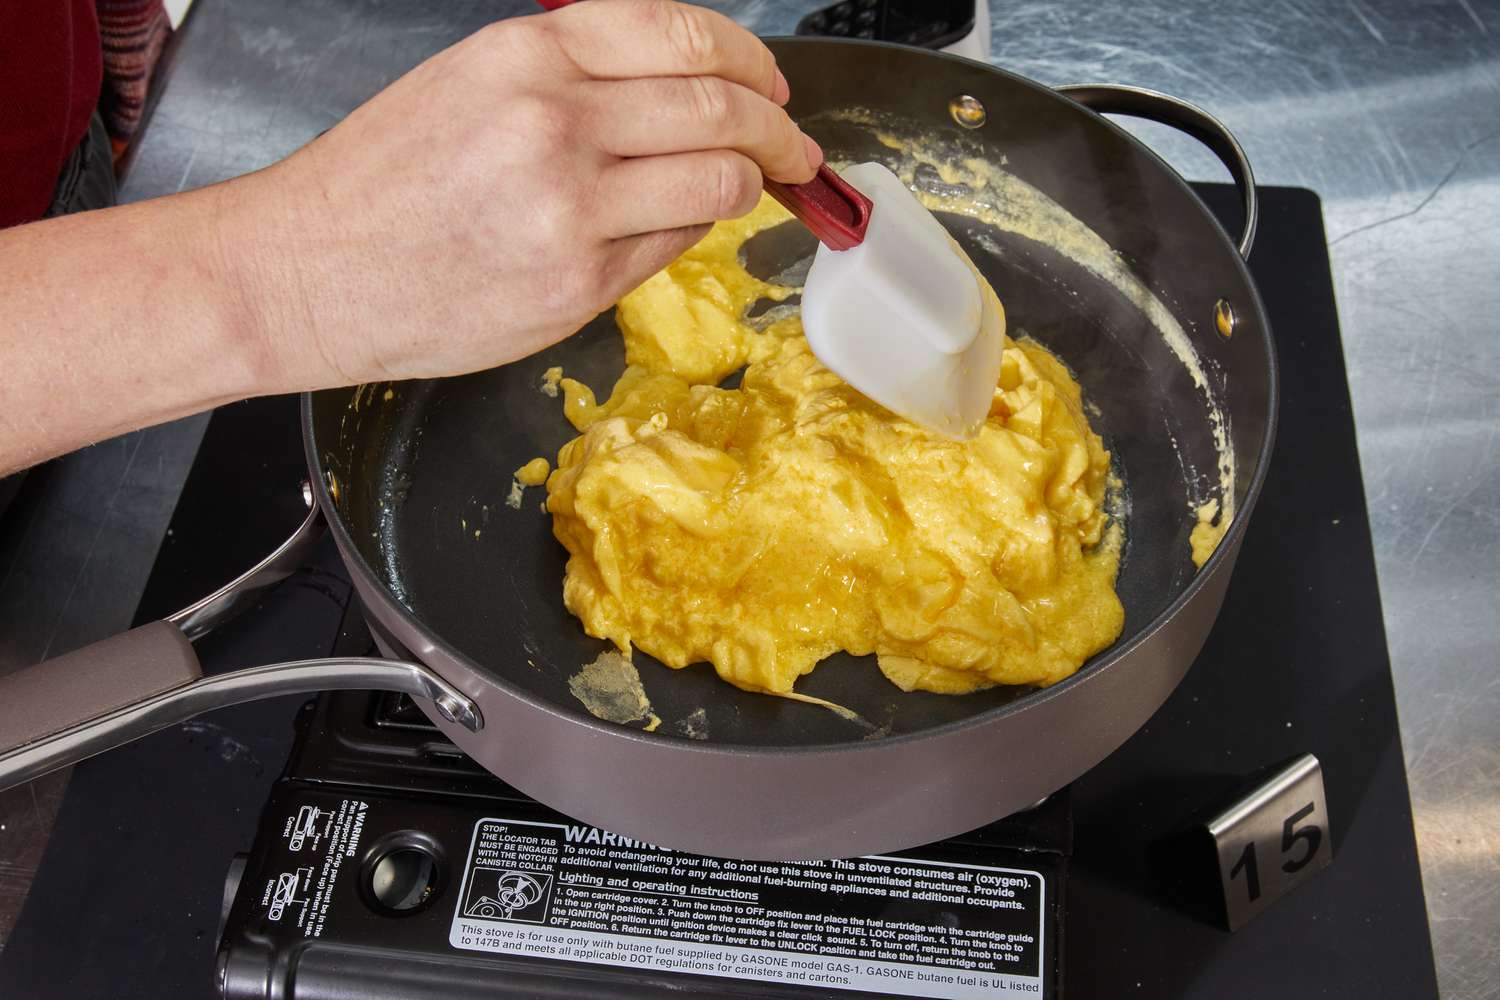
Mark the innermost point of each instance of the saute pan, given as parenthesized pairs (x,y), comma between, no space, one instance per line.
(464,593)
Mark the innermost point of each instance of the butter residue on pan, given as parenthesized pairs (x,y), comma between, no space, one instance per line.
(984,191)
(1209,531)
(694,725)
(534,472)
(610,688)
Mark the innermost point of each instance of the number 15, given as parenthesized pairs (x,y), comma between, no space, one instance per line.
(1290,834)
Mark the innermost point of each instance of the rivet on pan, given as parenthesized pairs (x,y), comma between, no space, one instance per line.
(459,712)
(307,497)
(1224,318)
(967,111)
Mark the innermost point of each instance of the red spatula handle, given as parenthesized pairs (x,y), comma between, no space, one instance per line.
(836,213)
(830,206)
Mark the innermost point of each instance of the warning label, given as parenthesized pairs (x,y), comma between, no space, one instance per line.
(302,894)
(893,925)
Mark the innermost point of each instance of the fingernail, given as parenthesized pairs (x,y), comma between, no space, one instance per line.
(814,152)
(781,91)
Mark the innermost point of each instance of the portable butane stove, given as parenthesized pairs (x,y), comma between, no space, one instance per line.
(385,864)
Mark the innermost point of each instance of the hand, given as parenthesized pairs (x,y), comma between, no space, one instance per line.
(503,193)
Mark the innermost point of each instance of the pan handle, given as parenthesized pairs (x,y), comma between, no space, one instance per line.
(1137,102)
(149,679)
(203,616)
(119,689)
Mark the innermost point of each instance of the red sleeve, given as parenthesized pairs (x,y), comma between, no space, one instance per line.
(50,70)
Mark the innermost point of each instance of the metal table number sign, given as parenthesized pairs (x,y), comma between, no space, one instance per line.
(1272,840)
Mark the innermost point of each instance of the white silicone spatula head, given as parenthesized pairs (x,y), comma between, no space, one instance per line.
(903,316)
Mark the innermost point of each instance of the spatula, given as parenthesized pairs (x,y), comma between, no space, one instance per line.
(892,305)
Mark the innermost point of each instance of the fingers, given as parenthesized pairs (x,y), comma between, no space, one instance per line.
(654,193)
(623,39)
(649,117)
(636,258)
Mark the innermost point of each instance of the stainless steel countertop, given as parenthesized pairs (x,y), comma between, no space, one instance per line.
(1390,109)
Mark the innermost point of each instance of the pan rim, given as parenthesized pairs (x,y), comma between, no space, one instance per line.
(1091,669)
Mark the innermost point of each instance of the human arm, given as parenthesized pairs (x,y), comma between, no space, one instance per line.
(484,206)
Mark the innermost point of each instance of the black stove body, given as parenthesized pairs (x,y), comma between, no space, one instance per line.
(389,865)
(129,900)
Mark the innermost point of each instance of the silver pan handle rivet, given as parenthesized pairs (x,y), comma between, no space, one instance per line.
(458,711)
(1224,318)
(967,111)
(307,494)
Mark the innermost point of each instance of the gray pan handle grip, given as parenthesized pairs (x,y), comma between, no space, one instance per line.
(1137,102)
(54,695)
(71,707)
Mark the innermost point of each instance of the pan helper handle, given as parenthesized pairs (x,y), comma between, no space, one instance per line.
(1154,106)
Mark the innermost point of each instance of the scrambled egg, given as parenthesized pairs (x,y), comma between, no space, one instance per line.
(533,473)
(766,527)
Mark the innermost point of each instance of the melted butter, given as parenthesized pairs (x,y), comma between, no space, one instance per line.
(764,528)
